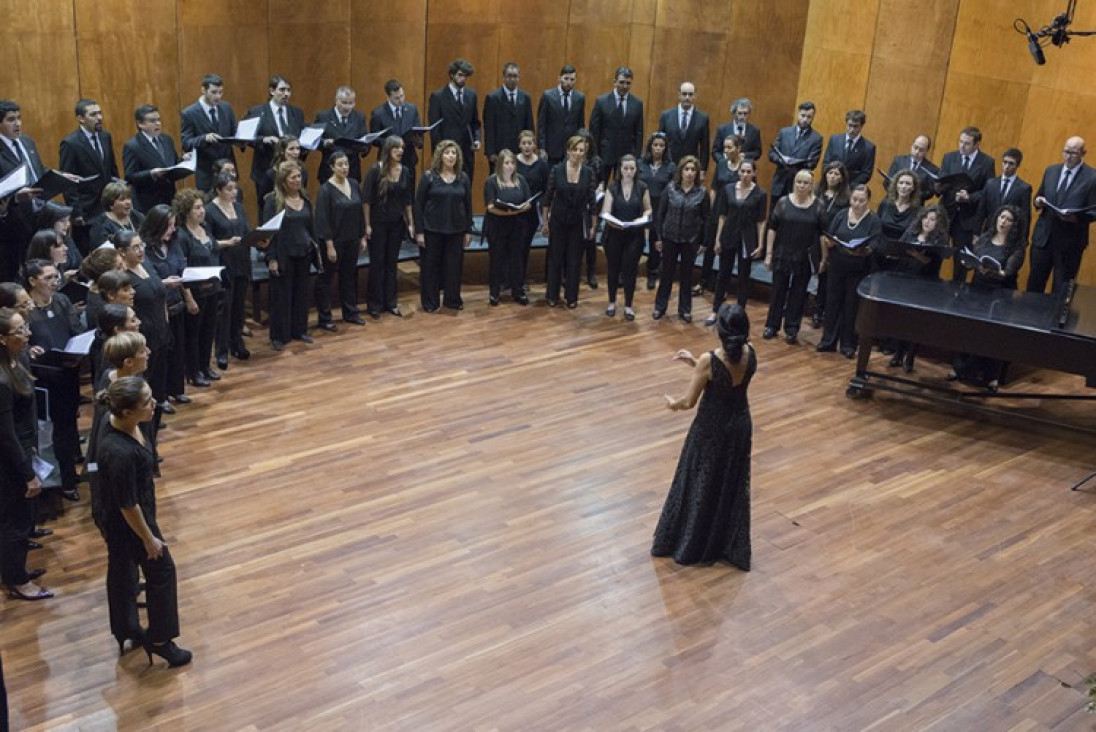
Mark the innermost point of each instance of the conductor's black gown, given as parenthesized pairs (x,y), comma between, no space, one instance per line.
(706,517)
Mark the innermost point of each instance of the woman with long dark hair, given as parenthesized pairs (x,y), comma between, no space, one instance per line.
(200,249)
(928,237)
(681,222)
(228,223)
(340,229)
(832,193)
(161,253)
(535,171)
(726,173)
(740,208)
(387,199)
(626,200)
(655,170)
(706,517)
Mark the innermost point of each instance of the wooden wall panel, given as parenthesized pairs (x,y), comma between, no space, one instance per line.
(309,43)
(38,69)
(226,37)
(598,41)
(533,34)
(387,43)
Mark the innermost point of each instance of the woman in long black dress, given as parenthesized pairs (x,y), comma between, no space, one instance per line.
(626,200)
(656,170)
(163,254)
(126,516)
(795,227)
(740,208)
(832,192)
(706,517)
(569,196)
(228,223)
(289,257)
(386,197)
(505,195)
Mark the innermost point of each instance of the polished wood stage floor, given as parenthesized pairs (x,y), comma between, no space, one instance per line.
(443,523)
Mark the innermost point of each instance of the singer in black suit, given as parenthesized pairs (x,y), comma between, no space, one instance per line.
(798,142)
(1059,242)
(740,125)
(17,224)
(691,139)
(204,123)
(853,149)
(89,151)
(398,116)
(15,147)
(456,105)
(617,123)
(277,118)
(560,114)
(145,156)
(1006,189)
(341,120)
(506,112)
(960,203)
(918,162)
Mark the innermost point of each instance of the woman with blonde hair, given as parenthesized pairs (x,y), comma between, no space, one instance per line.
(289,257)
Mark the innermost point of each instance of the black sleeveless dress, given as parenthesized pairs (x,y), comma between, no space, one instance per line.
(706,517)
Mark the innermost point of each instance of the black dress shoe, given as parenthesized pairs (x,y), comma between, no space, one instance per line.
(522,300)
(166,408)
(791,339)
(768,334)
(816,320)
(572,305)
(222,363)
(198,380)
(657,314)
(896,360)
(823,348)
(848,352)
(592,282)
(652,283)
(40,532)
(687,317)
(374,313)
(305,338)
(182,399)
(552,303)
(211,375)
(329,327)
(277,346)
(32,545)
(396,311)
(493,301)
(355,320)
(241,354)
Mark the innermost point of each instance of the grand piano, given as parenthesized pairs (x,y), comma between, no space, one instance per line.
(1055,331)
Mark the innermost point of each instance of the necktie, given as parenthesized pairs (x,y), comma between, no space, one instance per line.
(966,162)
(513,99)
(18,151)
(399,114)
(620,105)
(848,146)
(739,131)
(566,101)
(1064,184)
(914,165)
(460,98)
(95,144)
(159,149)
(281,121)
(213,117)
(1004,187)
(685,121)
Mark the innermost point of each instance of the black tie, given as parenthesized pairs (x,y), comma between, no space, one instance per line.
(566,101)
(620,105)
(460,98)
(1064,184)
(848,147)
(685,121)
(513,99)
(95,144)
(399,115)
(739,131)
(281,121)
(213,117)
(159,149)
(18,151)
(966,162)
(1004,188)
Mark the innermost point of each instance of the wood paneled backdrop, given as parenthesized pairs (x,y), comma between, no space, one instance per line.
(930,67)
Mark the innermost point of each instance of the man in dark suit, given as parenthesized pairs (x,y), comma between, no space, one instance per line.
(853,149)
(204,124)
(918,162)
(145,159)
(798,147)
(398,116)
(561,113)
(961,203)
(739,125)
(341,120)
(455,104)
(17,225)
(1059,242)
(89,151)
(686,127)
(277,118)
(617,123)
(1008,189)
(506,112)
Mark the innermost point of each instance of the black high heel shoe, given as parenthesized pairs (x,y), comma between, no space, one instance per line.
(137,640)
(173,654)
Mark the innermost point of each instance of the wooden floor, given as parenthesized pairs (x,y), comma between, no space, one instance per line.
(443,523)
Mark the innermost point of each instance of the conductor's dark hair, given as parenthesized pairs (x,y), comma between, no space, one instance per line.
(856,116)
(806,106)
(733,327)
(141,112)
(974,132)
(463,66)
(212,80)
(622,71)
(567,69)
(7,106)
(1013,153)
(392,86)
(82,106)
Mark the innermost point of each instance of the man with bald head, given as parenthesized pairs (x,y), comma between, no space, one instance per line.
(686,127)
(1059,240)
(918,163)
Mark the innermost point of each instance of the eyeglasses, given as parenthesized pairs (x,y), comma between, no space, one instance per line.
(22,330)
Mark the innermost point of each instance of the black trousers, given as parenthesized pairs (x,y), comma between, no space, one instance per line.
(707,269)
(200,330)
(62,387)
(960,239)
(16,522)
(506,252)
(623,248)
(175,355)
(384,260)
(229,337)
(678,259)
(732,253)
(566,243)
(289,299)
(789,296)
(842,302)
(654,257)
(1061,260)
(442,263)
(345,267)
(531,224)
(125,553)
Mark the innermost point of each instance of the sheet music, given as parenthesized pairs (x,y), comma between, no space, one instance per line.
(13,181)
(201,274)
(310,137)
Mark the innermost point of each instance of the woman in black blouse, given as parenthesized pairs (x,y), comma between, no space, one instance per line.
(656,171)
(289,257)
(505,228)
(227,222)
(740,207)
(200,249)
(726,173)
(681,223)
(163,254)
(19,485)
(535,172)
(126,516)
(897,211)
(626,200)
(832,192)
(386,195)
(118,214)
(340,229)
(593,160)
(847,263)
(58,219)
(567,200)
(795,227)
(53,321)
(443,226)
(927,235)
(286,148)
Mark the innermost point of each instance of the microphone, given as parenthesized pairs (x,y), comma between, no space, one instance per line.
(1035,49)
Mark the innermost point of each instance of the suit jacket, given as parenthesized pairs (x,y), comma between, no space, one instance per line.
(503,122)
(788,142)
(555,125)
(860,160)
(924,173)
(19,225)
(382,117)
(693,141)
(965,215)
(196,124)
(8,161)
(353,127)
(268,126)
(461,123)
(615,135)
(1050,228)
(80,158)
(752,141)
(139,157)
(1019,195)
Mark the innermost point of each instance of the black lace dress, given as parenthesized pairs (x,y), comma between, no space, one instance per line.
(706,517)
